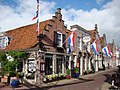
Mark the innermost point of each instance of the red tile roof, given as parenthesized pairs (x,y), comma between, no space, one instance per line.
(24,37)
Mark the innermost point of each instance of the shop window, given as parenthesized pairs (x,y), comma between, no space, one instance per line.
(59,65)
(48,65)
(20,67)
(67,62)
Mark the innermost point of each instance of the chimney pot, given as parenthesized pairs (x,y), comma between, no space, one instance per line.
(59,10)
(96,26)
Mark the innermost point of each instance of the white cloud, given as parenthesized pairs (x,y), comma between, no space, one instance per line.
(22,15)
(107,17)
(99,1)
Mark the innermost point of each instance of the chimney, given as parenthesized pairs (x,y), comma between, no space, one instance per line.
(96,26)
(104,35)
(58,14)
(59,10)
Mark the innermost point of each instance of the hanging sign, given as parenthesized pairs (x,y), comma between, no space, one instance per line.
(31,66)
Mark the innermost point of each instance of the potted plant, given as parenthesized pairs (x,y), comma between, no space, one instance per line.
(30,76)
(20,75)
(67,73)
(85,72)
(76,70)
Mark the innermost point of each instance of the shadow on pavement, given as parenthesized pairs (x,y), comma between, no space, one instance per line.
(108,78)
(80,80)
(33,87)
(27,86)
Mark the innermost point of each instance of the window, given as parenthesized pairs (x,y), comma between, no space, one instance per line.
(4,40)
(67,62)
(59,65)
(59,39)
(48,65)
(78,42)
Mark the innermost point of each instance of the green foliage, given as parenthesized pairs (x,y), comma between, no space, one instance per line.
(68,71)
(2,56)
(93,69)
(9,67)
(18,54)
(76,70)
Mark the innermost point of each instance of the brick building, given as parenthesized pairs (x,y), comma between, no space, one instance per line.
(47,50)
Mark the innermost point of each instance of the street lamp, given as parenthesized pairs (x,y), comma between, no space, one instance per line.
(40,37)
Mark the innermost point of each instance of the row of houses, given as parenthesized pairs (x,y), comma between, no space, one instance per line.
(49,51)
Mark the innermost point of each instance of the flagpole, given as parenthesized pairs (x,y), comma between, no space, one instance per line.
(38,14)
(65,40)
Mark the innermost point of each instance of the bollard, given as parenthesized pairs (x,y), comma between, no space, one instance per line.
(113,83)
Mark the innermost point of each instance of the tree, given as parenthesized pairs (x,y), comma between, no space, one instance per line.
(9,67)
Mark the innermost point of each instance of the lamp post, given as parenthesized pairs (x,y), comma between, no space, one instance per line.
(40,54)
(40,37)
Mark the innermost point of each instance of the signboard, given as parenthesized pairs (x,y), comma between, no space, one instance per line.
(31,66)
(86,39)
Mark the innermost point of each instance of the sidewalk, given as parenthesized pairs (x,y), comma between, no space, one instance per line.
(105,85)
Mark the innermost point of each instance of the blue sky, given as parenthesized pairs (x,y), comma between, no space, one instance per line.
(76,4)
(86,13)
(80,4)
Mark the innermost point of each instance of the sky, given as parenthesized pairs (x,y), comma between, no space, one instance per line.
(85,13)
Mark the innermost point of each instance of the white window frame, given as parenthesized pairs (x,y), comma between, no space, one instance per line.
(60,44)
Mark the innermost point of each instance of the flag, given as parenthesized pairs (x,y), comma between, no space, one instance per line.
(34,18)
(71,41)
(37,17)
(106,51)
(110,54)
(94,47)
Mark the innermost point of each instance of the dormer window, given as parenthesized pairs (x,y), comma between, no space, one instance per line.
(4,41)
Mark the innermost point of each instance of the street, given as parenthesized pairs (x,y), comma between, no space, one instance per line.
(93,82)
(87,82)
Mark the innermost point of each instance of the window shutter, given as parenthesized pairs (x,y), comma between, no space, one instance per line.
(64,38)
(55,39)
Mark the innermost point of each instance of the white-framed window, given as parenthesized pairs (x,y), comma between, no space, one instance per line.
(4,40)
(59,39)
